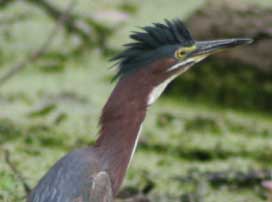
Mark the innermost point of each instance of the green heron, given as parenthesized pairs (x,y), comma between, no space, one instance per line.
(157,55)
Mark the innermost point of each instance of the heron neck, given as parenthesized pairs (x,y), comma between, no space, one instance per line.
(123,115)
(120,122)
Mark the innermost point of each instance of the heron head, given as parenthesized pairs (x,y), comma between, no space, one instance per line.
(166,50)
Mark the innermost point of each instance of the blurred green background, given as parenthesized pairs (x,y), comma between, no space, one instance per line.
(52,106)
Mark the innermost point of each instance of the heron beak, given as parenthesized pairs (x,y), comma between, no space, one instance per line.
(206,48)
(202,49)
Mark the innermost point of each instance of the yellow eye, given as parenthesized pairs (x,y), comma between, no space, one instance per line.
(180,54)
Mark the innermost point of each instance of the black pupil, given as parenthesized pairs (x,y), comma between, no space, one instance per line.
(181,53)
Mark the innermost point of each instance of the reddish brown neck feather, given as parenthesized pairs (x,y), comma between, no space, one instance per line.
(122,117)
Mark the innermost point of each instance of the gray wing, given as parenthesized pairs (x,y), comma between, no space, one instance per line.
(74,178)
(101,188)
(99,191)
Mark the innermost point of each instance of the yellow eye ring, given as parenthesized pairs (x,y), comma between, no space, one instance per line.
(179,54)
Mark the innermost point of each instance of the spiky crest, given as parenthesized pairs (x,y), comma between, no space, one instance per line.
(151,38)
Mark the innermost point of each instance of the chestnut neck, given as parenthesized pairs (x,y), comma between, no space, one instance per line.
(121,121)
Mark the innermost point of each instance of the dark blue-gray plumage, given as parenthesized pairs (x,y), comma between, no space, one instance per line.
(74,178)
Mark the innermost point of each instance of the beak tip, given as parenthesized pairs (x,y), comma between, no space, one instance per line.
(243,41)
(248,40)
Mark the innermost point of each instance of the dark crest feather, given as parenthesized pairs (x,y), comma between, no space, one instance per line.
(153,37)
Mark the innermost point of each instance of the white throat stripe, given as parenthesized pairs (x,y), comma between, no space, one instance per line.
(188,61)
